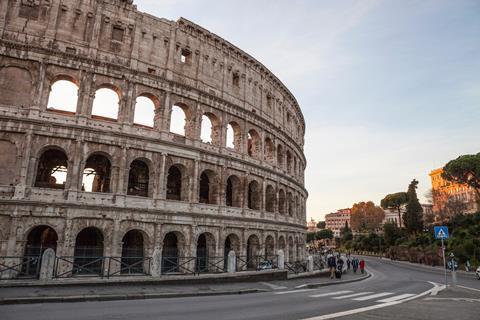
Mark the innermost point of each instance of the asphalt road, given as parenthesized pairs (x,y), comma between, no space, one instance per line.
(391,286)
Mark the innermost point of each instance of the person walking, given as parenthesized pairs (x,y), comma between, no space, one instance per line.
(362,266)
(340,264)
(355,265)
(332,264)
(348,263)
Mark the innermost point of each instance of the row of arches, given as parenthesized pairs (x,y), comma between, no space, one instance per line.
(89,248)
(64,95)
(52,172)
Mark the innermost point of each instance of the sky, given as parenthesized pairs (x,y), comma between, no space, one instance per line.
(390,90)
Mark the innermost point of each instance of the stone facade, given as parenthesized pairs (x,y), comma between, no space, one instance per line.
(251,193)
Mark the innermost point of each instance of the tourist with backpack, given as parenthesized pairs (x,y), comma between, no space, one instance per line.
(332,264)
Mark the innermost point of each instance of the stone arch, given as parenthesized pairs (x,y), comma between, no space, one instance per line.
(291,250)
(144,111)
(13,79)
(97,173)
(269,150)
(133,252)
(52,168)
(138,178)
(234,136)
(254,195)
(270,198)
(177,183)
(270,248)
(280,156)
(281,244)
(180,119)
(253,247)
(233,192)
(208,187)
(210,129)
(89,248)
(205,251)
(106,104)
(281,201)
(39,239)
(63,95)
(172,251)
(253,143)
(289,162)
(290,204)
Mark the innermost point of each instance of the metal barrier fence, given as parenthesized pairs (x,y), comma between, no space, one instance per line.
(26,267)
(296,267)
(257,263)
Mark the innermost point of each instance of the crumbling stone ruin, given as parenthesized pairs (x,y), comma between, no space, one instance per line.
(87,179)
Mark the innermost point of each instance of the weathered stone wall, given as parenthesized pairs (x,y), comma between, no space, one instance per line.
(98,44)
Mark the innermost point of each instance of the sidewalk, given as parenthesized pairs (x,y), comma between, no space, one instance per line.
(154,290)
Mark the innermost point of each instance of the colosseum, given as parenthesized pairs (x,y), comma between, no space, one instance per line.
(123,135)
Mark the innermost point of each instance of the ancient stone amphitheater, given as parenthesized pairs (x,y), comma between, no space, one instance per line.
(198,152)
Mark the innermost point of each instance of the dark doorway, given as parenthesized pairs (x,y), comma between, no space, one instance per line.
(202,254)
(52,170)
(204,193)
(132,253)
(88,256)
(96,175)
(229,193)
(138,177)
(170,254)
(174,184)
(39,239)
(252,252)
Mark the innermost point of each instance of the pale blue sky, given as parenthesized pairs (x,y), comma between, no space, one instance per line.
(389,89)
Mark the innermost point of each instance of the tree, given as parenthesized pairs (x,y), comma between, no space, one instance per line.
(391,233)
(310,236)
(325,234)
(395,201)
(413,217)
(321,225)
(346,233)
(464,170)
(365,216)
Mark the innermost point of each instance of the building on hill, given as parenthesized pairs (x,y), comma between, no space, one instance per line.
(336,221)
(450,198)
(312,225)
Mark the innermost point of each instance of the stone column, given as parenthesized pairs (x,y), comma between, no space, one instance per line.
(157,262)
(161,192)
(25,165)
(231,262)
(48,263)
(194,189)
(281,259)
(309,264)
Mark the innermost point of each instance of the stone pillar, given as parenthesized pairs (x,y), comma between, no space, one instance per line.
(194,189)
(281,259)
(48,263)
(161,192)
(22,181)
(310,264)
(157,262)
(231,262)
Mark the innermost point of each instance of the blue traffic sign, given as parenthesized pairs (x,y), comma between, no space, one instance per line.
(441,232)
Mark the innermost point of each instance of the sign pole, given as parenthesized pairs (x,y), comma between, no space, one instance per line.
(444,265)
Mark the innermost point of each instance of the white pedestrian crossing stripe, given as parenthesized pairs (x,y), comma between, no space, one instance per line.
(295,291)
(373,296)
(352,295)
(395,298)
(327,294)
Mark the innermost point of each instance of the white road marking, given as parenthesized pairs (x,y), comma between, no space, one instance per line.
(295,291)
(272,286)
(395,298)
(373,296)
(373,307)
(327,294)
(454,299)
(352,295)
(467,288)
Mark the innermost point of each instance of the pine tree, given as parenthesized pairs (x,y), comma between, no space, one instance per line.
(413,218)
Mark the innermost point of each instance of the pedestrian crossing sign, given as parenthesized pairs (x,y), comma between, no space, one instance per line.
(441,232)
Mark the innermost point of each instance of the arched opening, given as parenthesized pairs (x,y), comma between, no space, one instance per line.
(296,207)
(170,256)
(232,243)
(254,195)
(138,178)
(270,199)
(174,184)
(253,143)
(233,192)
(253,245)
(39,239)
(270,248)
(280,156)
(281,244)
(205,251)
(144,111)
(106,104)
(132,253)
(206,130)
(268,150)
(281,201)
(208,190)
(178,120)
(52,170)
(294,166)
(88,254)
(63,96)
(234,136)
(291,253)
(290,204)
(289,162)
(96,175)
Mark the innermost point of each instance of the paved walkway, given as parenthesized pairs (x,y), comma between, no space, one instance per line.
(146,290)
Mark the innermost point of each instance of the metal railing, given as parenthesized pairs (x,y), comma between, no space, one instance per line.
(66,267)
(296,267)
(256,263)
(25,267)
(178,265)
(210,265)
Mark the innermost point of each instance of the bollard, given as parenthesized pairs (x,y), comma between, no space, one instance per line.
(48,263)
(157,263)
(231,262)
(310,264)
(281,259)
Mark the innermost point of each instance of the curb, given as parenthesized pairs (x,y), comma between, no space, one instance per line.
(324,284)
(116,297)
